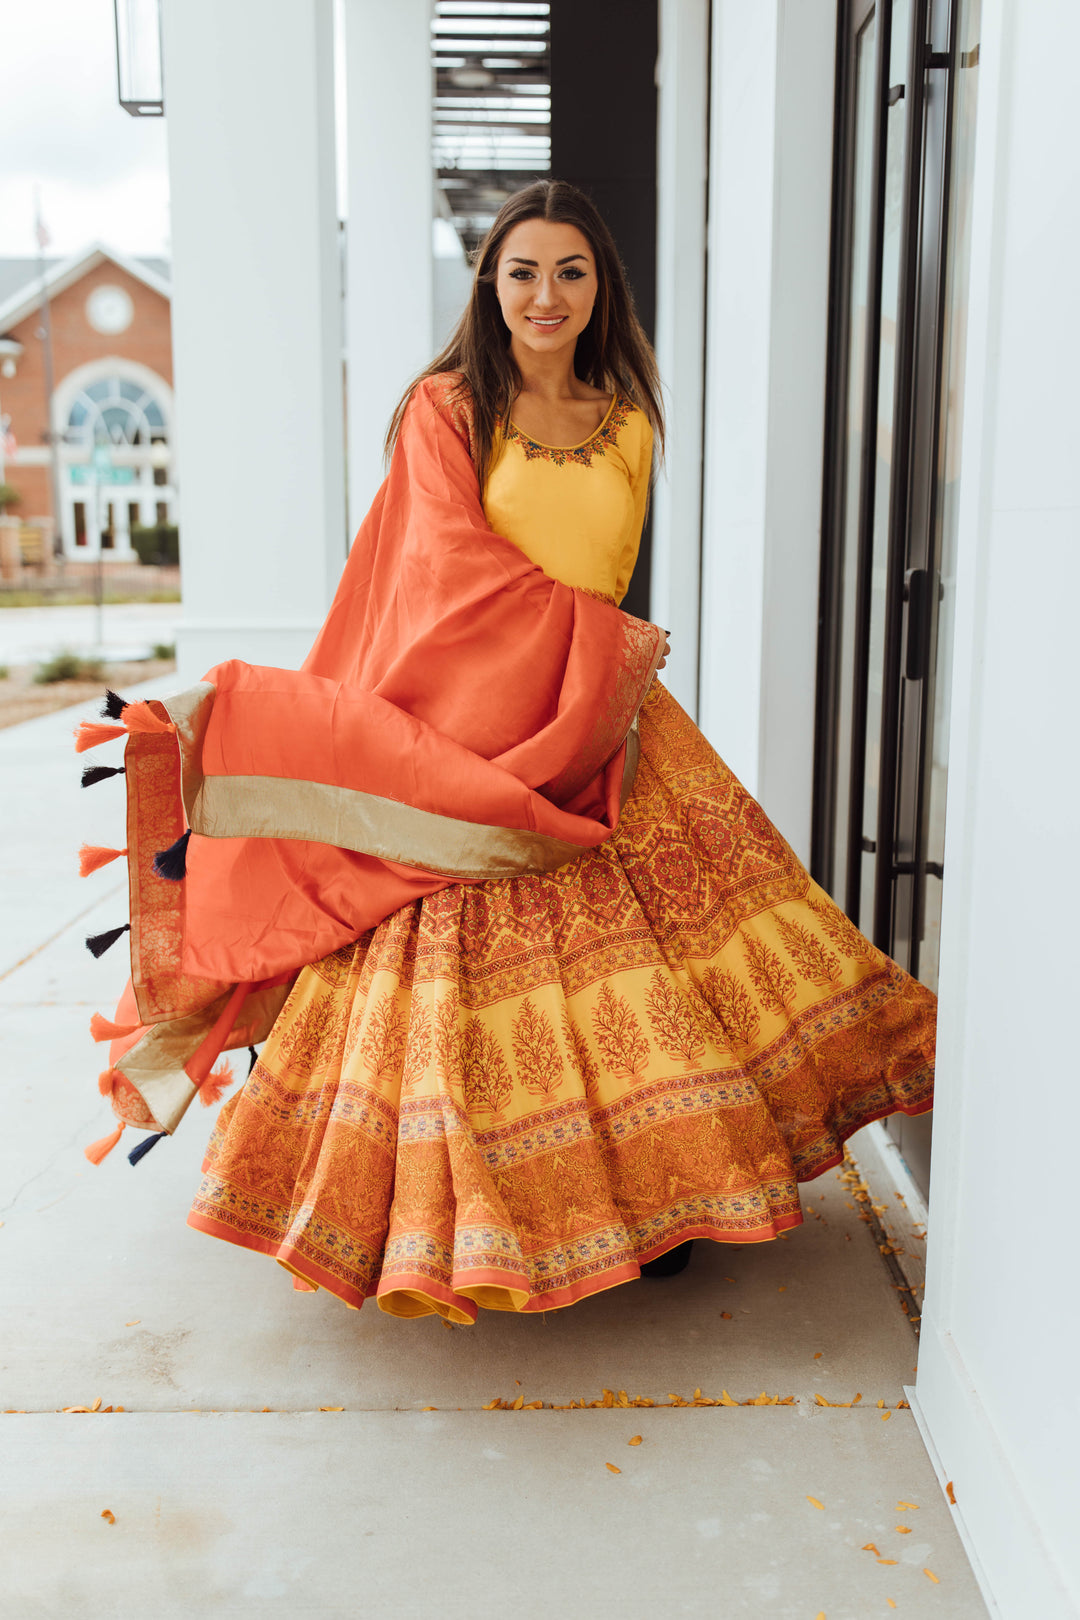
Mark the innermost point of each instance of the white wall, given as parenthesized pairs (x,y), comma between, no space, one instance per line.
(389,287)
(682,171)
(256,325)
(770,171)
(997,1382)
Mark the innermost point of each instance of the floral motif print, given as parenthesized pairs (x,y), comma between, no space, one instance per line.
(673,1021)
(579,455)
(540,1063)
(810,956)
(619,1035)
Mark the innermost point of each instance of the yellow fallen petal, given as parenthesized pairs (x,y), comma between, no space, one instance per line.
(889,1601)
(136,1322)
(903,1529)
(885,1416)
(97,1405)
(611,1468)
(493,1405)
(331,1409)
(888,1560)
(855,1399)
(813,1501)
(530,1406)
(429,1409)
(109,1515)
(932,1576)
(635,1440)
(781,1288)
(950,1494)
(726,1400)
(118,1408)
(818,1354)
(726,1316)
(868,1546)
(515,1406)
(75,1409)
(822,1401)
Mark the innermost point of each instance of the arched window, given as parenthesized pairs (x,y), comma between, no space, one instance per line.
(114,411)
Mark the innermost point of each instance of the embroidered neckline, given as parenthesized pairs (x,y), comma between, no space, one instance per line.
(579,455)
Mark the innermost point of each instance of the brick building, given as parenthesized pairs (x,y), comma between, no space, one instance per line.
(112,398)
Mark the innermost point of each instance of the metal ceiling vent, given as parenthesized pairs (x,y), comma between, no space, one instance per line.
(492,124)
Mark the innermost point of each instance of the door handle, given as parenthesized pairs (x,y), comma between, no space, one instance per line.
(917,597)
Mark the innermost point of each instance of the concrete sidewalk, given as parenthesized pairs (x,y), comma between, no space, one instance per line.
(384,1509)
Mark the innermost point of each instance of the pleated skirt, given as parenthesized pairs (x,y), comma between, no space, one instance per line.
(510,1094)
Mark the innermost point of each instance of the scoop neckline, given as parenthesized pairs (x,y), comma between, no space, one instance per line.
(582,442)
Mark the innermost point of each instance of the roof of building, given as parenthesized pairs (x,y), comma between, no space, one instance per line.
(20,279)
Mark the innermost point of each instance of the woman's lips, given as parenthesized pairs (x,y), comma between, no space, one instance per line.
(546,323)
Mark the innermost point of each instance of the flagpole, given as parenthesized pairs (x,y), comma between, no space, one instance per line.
(42,237)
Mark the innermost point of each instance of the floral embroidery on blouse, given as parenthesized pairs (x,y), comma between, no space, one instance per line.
(580,455)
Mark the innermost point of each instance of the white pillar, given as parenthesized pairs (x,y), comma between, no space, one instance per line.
(256,325)
(389,265)
(683,82)
(1001,1320)
(770,181)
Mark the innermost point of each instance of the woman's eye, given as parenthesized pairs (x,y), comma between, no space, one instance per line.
(573,273)
(520,275)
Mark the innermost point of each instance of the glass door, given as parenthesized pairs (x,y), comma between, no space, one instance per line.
(896,338)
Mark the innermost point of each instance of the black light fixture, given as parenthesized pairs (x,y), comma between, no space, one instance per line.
(139,79)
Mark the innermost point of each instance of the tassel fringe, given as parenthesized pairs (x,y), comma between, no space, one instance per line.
(98,773)
(114,705)
(98,944)
(101,1149)
(93,856)
(107,1079)
(90,733)
(141,717)
(171,863)
(213,1087)
(142,1148)
(103,1029)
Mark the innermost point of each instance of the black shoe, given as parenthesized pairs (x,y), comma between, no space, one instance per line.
(669,1264)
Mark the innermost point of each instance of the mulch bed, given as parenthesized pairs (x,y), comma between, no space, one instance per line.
(21,700)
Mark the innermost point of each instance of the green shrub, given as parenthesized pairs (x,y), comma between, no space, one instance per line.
(164,649)
(9,496)
(4,672)
(156,542)
(68,666)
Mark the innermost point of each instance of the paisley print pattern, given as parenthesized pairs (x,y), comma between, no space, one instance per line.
(511,1093)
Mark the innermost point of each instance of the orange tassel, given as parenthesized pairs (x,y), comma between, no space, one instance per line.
(92,732)
(141,717)
(107,1079)
(103,1029)
(213,1087)
(100,1150)
(91,856)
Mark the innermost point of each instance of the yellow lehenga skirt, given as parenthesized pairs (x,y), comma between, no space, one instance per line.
(510,1094)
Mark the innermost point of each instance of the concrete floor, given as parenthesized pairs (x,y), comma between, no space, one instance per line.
(383,1509)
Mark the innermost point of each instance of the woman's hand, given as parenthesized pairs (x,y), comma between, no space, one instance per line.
(667,649)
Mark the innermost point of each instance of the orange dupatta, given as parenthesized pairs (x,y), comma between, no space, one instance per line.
(460,716)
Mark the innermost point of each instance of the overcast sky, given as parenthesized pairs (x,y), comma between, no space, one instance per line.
(102,173)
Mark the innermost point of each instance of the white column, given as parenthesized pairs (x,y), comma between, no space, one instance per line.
(389,264)
(770,173)
(683,82)
(1001,1321)
(256,325)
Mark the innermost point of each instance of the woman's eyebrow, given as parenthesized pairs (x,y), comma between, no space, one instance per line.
(569,258)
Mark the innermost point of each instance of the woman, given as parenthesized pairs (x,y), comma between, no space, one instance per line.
(544,994)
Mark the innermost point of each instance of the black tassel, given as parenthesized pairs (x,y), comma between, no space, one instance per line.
(254,1057)
(98,944)
(98,773)
(114,705)
(142,1149)
(171,863)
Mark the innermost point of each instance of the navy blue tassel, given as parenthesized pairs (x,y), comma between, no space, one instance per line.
(114,705)
(98,944)
(254,1057)
(142,1149)
(171,863)
(98,773)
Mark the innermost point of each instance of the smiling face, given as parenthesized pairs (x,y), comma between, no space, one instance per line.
(546,284)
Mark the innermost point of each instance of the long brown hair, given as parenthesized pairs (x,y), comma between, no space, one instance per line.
(612,352)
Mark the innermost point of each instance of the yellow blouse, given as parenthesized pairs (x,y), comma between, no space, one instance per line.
(577,511)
